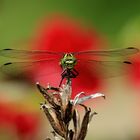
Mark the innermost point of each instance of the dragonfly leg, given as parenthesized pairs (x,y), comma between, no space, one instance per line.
(68,74)
(63,75)
(75,73)
(72,73)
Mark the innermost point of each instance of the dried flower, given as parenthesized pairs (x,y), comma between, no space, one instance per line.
(60,110)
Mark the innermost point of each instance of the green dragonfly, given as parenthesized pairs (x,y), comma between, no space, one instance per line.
(69,60)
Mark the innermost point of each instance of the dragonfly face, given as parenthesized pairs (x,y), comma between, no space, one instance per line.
(68,61)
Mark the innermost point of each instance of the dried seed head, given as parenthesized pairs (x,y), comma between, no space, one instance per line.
(60,110)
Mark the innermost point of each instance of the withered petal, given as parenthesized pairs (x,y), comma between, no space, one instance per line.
(92,96)
(84,125)
(48,96)
(68,113)
(76,122)
(53,121)
(91,116)
(71,133)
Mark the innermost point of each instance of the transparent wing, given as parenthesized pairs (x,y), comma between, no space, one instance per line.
(110,53)
(28,67)
(107,69)
(24,54)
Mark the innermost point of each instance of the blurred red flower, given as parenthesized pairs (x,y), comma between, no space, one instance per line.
(62,34)
(22,124)
(135,71)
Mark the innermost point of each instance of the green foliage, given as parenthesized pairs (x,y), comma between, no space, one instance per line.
(18,19)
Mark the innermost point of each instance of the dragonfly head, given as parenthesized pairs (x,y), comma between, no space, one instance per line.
(68,61)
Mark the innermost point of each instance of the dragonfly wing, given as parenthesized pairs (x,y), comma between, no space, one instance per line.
(24,54)
(110,53)
(18,69)
(108,69)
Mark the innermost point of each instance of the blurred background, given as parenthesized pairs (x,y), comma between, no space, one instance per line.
(70,26)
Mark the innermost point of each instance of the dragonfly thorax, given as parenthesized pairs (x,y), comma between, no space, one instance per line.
(68,61)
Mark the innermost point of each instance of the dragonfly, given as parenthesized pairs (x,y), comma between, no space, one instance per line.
(69,60)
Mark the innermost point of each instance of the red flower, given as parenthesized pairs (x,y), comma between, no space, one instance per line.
(62,34)
(23,124)
(135,71)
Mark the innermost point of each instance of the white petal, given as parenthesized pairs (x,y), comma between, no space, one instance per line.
(76,98)
(92,96)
